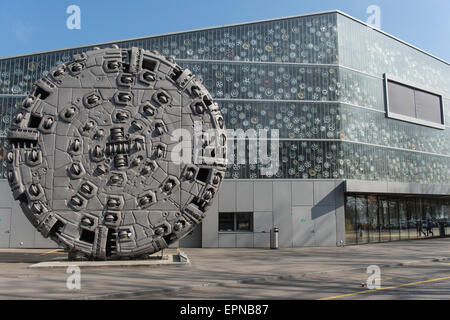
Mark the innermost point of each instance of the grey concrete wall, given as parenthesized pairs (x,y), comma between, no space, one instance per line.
(192,240)
(15,229)
(386,187)
(307,212)
(340,212)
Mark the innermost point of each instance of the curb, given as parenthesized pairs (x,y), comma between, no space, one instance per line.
(131,294)
(172,260)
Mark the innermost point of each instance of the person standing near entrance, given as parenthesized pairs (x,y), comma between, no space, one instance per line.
(420,228)
(429,227)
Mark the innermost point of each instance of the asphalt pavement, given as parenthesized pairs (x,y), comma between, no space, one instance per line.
(430,281)
(409,270)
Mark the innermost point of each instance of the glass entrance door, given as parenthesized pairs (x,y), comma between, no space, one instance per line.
(385,233)
(374,223)
(395,221)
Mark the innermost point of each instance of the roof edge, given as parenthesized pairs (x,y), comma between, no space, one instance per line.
(172,33)
(391,36)
(234,25)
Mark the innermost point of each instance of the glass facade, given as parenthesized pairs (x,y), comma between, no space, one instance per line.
(387,149)
(277,74)
(235,222)
(373,53)
(318,79)
(380,218)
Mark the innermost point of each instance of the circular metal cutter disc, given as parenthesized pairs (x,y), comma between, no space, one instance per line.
(93,153)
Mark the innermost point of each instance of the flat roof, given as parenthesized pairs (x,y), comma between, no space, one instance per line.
(233,25)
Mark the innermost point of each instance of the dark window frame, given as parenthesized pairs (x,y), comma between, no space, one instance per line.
(235,222)
(417,207)
(389,114)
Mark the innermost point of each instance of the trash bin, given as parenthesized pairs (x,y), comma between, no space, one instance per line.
(274,238)
(441,230)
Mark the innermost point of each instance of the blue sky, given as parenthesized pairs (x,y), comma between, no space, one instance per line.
(30,26)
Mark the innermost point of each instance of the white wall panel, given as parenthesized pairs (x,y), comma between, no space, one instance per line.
(282,212)
(244,196)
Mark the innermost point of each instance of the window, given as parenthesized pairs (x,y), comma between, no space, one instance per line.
(226,221)
(394,217)
(350,220)
(362,232)
(403,219)
(374,224)
(235,221)
(385,230)
(409,103)
(394,220)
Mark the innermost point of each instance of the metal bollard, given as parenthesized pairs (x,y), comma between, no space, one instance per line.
(274,238)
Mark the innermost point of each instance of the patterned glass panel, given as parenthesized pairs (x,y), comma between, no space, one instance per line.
(361,125)
(299,160)
(309,39)
(267,81)
(293,120)
(283,74)
(8,105)
(3,148)
(367,50)
(366,162)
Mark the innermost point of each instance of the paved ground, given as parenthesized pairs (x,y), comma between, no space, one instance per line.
(416,281)
(300,273)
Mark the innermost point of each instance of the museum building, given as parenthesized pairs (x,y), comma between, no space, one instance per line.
(363,123)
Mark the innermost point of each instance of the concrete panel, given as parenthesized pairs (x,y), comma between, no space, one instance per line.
(302,193)
(193,239)
(324,219)
(244,240)
(340,226)
(303,227)
(227,240)
(262,196)
(319,211)
(5,227)
(261,240)
(227,196)
(210,236)
(366,186)
(6,198)
(398,187)
(22,231)
(415,188)
(244,196)
(443,189)
(282,214)
(324,193)
(339,193)
(43,243)
(262,221)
